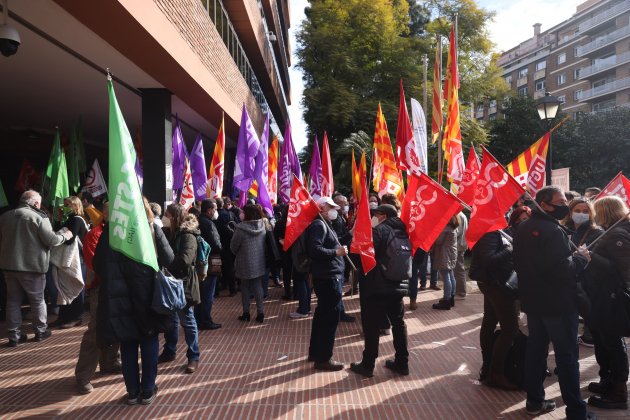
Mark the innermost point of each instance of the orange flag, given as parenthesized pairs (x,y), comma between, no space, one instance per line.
(272,169)
(215,174)
(536,175)
(386,179)
(328,185)
(436,115)
(362,241)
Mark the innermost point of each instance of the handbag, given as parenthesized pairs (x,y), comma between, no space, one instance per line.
(168,293)
(215,265)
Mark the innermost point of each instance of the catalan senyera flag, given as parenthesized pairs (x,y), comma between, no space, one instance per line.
(452,142)
(356,181)
(386,177)
(272,184)
(327,184)
(519,167)
(436,115)
(215,174)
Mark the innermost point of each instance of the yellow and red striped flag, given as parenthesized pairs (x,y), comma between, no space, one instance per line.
(272,184)
(386,177)
(452,142)
(356,181)
(519,167)
(215,174)
(436,115)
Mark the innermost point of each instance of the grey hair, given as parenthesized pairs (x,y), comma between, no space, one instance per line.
(30,197)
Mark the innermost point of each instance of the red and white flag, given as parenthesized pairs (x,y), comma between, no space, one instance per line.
(328,185)
(466,189)
(495,193)
(406,151)
(427,208)
(536,174)
(362,240)
(619,186)
(187,199)
(302,210)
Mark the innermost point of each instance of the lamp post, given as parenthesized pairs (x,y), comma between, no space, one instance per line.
(547,109)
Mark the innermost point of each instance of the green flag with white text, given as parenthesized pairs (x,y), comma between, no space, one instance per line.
(129,229)
(3,197)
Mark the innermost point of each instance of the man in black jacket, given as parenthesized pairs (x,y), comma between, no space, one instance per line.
(547,271)
(209,232)
(381,297)
(225,226)
(327,268)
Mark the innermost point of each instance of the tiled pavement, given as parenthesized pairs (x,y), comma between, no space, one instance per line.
(253,371)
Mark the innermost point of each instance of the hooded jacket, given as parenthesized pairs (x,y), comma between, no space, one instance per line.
(248,246)
(183,267)
(444,251)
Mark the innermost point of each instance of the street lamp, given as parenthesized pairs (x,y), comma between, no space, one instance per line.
(547,109)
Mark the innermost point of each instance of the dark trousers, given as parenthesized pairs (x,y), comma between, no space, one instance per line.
(74,311)
(434,276)
(287,273)
(418,269)
(149,348)
(373,310)
(611,356)
(498,308)
(303,292)
(227,271)
(326,318)
(560,330)
(203,311)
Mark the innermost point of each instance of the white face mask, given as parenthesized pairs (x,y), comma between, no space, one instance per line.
(580,218)
(375,221)
(166,222)
(346,209)
(373,205)
(332,214)
(215,215)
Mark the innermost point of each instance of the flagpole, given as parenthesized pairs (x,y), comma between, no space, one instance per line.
(625,217)
(441,133)
(425,59)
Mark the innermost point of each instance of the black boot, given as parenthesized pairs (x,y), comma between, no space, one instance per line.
(443,304)
(600,387)
(452,301)
(615,398)
(244,317)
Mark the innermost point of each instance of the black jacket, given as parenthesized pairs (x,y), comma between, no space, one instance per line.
(374,283)
(491,259)
(584,234)
(225,227)
(126,292)
(322,250)
(210,234)
(547,270)
(340,227)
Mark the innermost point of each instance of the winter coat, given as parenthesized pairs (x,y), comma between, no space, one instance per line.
(210,234)
(225,226)
(444,251)
(462,245)
(491,262)
(26,237)
(613,252)
(248,246)
(183,267)
(125,294)
(322,246)
(374,283)
(77,225)
(340,226)
(584,234)
(547,270)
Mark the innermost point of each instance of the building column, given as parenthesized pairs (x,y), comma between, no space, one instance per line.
(157,140)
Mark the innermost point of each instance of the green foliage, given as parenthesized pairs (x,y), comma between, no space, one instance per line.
(357,142)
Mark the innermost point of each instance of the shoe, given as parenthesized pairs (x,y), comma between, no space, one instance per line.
(348,293)
(148,397)
(500,381)
(192,366)
(347,318)
(590,416)
(452,301)
(22,339)
(460,297)
(113,370)
(164,358)
(70,324)
(232,294)
(384,331)
(132,398)
(540,408)
(361,369)
(56,323)
(435,287)
(422,288)
(615,397)
(443,304)
(329,365)
(600,387)
(395,367)
(413,305)
(285,297)
(85,388)
(244,317)
(42,336)
(210,326)
(297,315)
(586,342)
(483,374)
(260,318)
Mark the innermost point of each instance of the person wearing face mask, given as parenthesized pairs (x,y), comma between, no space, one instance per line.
(547,269)
(373,201)
(327,268)
(209,232)
(340,226)
(518,216)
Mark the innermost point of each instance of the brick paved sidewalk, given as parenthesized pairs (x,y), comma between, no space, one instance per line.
(253,371)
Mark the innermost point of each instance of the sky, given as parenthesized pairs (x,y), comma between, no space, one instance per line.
(511,26)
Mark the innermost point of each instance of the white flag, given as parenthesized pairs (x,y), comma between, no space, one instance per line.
(94,181)
(419,133)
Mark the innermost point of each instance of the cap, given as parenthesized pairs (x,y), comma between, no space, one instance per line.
(326,200)
(387,209)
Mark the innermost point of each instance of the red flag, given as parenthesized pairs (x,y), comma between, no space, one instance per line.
(28,178)
(302,210)
(362,242)
(495,193)
(466,190)
(328,186)
(406,154)
(536,174)
(619,186)
(427,208)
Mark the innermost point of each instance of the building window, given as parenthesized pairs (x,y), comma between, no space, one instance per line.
(493,103)
(599,83)
(604,106)
(576,74)
(522,91)
(540,85)
(562,79)
(576,52)
(480,107)
(541,65)
(562,99)
(577,95)
(562,57)
(508,80)
(522,73)
(492,117)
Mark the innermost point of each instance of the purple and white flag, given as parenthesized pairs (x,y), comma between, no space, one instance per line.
(179,156)
(289,165)
(261,174)
(315,172)
(198,166)
(246,150)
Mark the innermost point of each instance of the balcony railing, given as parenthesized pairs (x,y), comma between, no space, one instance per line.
(603,41)
(539,93)
(605,64)
(521,81)
(604,16)
(605,89)
(540,74)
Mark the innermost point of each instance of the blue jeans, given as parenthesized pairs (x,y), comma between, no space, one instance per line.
(264,282)
(562,332)
(149,348)
(448,277)
(342,309)
(303,292)
(187,319)
(203,311)
(418,269)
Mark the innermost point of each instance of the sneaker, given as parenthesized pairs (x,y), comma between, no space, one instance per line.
(149,396)
(42,336)
(297,315)
(132,398)
(534,409)
(586,342)
(22,339)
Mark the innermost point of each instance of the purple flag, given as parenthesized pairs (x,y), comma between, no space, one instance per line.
(246,150)
(198,167)
(315,172)
(261,171)
(289,164)
(139,173)
(179,156)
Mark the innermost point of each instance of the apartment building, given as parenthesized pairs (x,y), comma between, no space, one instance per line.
(584,61)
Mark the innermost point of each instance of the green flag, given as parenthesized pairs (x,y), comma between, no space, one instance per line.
(73,161)
(55,187)
(3,198)
(129,229)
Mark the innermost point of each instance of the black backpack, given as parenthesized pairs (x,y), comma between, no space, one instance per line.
(396,263)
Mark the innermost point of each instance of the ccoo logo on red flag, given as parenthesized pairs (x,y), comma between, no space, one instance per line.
(619,186)
(466,189)
(302,210)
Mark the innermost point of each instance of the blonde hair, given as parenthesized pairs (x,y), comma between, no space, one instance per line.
(148,210)
(75,205)
(609,209)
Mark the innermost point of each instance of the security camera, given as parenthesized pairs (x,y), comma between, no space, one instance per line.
(9,40)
